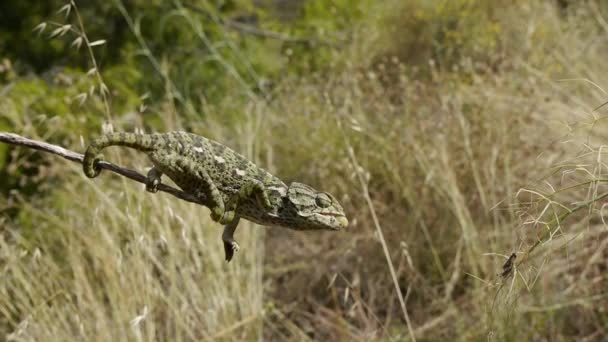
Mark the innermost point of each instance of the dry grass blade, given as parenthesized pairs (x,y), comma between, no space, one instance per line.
(370,205)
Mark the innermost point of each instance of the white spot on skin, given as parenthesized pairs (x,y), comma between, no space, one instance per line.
(219,159)
(198,149)
(240,172)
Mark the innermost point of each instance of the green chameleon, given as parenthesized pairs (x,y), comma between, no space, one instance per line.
(223,180)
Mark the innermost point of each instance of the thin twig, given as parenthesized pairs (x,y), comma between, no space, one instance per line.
(253,30)
(556,221)
(14,139)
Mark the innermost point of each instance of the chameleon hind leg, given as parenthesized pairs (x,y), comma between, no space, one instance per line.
(230,244)
(153,179)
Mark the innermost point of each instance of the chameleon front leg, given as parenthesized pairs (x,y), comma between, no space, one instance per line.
(219,211)
(230,244)
(254,189)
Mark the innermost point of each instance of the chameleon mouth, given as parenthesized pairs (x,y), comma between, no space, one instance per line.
(342,221)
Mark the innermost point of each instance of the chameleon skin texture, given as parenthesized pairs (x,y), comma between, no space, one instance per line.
(228,183)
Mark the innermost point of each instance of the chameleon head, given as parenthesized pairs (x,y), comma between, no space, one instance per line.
(314,210)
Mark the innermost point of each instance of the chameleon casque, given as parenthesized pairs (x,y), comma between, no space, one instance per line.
(226,182)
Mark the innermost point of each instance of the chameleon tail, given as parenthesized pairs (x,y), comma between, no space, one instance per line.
(142,142)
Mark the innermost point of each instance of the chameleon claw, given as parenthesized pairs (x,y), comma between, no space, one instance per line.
(152,185)
(230,247)
(153,180)
(230,244)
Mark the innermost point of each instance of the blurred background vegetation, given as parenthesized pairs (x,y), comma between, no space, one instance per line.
(470,128)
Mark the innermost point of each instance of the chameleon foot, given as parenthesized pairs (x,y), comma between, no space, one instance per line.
(230,244)
(152,186)
(230,247)
(153,180)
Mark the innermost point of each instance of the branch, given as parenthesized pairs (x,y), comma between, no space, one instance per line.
(14,139)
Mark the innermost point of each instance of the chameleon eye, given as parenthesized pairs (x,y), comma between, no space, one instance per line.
(322,200)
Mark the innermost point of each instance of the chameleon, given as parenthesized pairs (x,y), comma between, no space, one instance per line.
(226,182)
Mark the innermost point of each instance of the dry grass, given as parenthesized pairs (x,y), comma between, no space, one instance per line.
(135,266)
(438,152)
